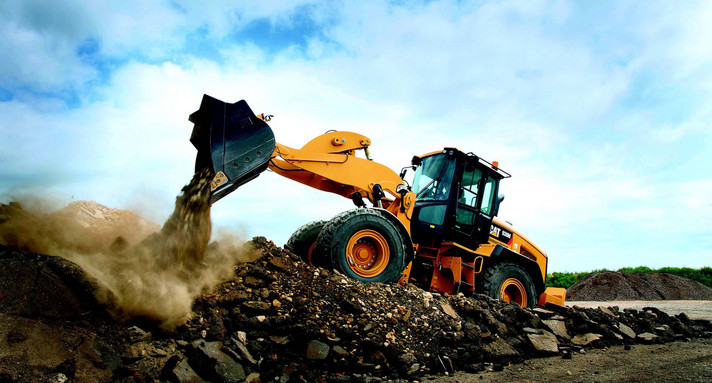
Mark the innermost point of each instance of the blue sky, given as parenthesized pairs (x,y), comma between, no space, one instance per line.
(600,111)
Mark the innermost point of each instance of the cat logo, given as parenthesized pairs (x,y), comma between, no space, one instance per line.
(500,234)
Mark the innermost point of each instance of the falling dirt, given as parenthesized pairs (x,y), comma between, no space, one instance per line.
(156,277)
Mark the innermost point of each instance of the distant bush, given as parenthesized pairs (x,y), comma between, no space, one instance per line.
(639,269)
(703,275)
(566,280)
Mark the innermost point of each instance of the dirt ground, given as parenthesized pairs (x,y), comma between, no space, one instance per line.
(673,362)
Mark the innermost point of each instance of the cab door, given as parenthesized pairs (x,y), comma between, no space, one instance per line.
(475,205)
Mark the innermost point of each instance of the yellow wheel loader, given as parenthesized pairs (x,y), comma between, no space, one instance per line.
(439,233)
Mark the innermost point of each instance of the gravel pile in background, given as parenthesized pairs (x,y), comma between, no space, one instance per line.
(615,286)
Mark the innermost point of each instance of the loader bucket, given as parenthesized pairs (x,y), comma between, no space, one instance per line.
(232,142)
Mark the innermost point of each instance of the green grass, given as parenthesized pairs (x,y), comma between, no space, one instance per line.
(566,280)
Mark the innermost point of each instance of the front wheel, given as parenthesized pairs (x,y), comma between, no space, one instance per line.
(303,242)
(511,283)
(364,245)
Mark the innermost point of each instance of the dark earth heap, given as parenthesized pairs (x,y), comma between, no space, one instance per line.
(280,319)
(615,286)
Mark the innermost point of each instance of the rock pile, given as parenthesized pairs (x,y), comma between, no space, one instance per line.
(280,319)
(615,286)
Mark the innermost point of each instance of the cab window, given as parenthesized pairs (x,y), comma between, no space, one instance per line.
(488,195)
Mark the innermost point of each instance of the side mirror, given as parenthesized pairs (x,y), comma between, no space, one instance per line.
(500,198)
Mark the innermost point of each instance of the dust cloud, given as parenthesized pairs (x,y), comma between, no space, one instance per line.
(149,272)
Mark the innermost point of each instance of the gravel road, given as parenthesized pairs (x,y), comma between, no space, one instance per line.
(694,309)
(671,362)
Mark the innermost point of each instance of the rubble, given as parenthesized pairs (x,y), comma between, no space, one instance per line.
(280,319)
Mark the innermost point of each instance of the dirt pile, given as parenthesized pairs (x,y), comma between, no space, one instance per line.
(612,285)
(81,226)
(139,270)
(278,318)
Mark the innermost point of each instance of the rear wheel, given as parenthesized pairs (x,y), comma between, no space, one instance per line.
(303,242)
(364,245)
(511,283)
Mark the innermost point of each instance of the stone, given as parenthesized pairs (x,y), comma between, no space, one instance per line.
(647,337)
(499,349)
(244,352)
(213,364)
(414,368)
(136,334)
(280,264)
(317,350)
(447,309)
(257,306)
(607,311)
(242,336)
(253,378)
(585,339)
(530,330)
(545,343)
(543,313)
(340,351)
(558,327)
(279,339)
(627,331)
(183,373)
(253,282)
(407,359)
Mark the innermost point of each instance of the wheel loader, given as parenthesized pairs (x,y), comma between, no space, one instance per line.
(439,233)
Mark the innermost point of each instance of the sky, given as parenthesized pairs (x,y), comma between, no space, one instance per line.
(601,111)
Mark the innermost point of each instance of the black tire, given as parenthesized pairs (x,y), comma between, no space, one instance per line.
(364,245)
(518,284)
(303,240)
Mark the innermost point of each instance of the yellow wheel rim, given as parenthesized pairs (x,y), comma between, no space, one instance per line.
(367,253)
(512,290)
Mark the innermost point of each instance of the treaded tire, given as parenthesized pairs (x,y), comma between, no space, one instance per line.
(339,241)
(303,239)
(500,273)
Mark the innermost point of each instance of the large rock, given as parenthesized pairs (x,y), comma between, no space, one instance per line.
(558,327)
(499,349)
(545,343)
(626,330)
(585,339)
(181,372)
(317,350)
(208,360)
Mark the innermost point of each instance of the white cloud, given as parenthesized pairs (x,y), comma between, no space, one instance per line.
(558,103)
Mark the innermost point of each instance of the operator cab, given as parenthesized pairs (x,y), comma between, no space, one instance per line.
(456,198)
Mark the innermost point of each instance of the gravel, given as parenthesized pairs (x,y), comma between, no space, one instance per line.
(612,285)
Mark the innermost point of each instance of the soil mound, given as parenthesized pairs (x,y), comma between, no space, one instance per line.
(612,285)
(36,285)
